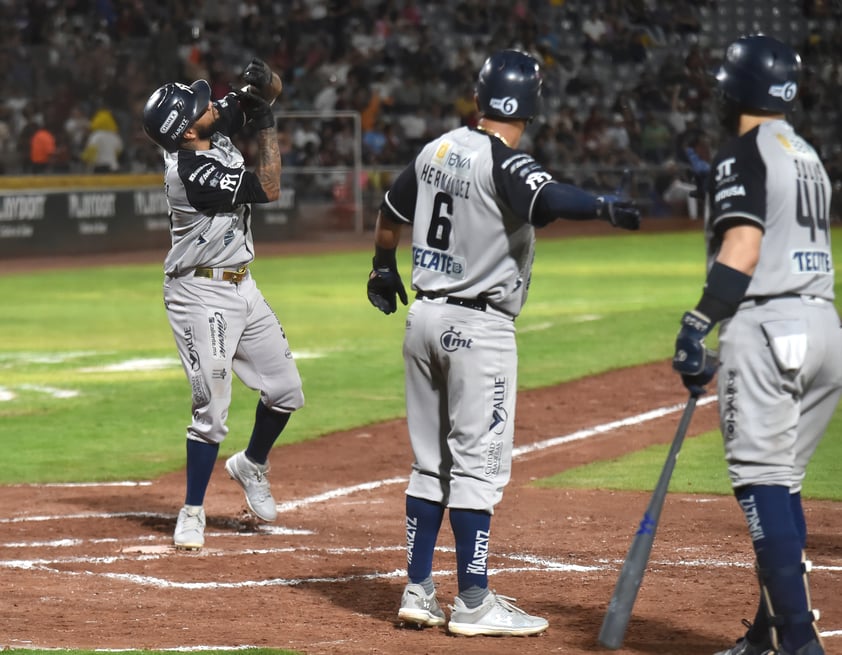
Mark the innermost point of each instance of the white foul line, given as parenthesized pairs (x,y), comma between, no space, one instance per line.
(651,415)
(607,427)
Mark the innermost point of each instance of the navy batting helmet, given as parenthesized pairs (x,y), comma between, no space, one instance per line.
(509,85)
(760,73)
(172,110)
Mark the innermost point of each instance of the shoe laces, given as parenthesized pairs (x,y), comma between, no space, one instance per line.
(192,521)
(507,603)
(256,471)
(426,602)
(260,485)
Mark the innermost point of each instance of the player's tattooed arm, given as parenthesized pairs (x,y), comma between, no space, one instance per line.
(268,166)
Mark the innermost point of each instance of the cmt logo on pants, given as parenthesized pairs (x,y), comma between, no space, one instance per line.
(451,340)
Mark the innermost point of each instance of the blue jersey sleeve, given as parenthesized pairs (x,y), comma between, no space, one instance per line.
(532,192)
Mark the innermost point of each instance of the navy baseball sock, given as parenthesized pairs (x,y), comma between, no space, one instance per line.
(201,456)
(268,425)
(423,522)
(798,517)
(777,546)
(759,631)
(471,531)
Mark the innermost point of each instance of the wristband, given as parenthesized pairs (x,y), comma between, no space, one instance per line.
(724,290)
(385,258)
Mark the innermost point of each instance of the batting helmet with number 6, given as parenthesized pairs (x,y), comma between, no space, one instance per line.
(509,86)
(760,73)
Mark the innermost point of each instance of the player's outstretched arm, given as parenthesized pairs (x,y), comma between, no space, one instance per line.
(559,200)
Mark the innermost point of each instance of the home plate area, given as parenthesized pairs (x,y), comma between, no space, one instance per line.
(92,566)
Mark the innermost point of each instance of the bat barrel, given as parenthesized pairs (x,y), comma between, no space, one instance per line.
(619,611)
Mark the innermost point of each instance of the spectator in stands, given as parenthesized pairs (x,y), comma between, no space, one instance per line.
(465,105)
(104,145)
(685,17)
(595,30)
(678,194)
(42,149)
(656,140)
(375,143)
(7,142)
(76,128)
(616,138)
(345,55)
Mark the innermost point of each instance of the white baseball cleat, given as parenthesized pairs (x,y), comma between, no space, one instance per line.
(252,478)
(420,608)
(190,528)
(495,617)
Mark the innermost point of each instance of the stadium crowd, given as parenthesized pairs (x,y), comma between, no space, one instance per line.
(626,81)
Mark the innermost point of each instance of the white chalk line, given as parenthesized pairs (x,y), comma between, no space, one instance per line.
(607,427)
(293,505)
(541,565)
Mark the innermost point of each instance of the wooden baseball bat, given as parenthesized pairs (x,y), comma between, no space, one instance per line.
(631,575)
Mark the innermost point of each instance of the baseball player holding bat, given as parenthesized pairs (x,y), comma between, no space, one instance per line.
(770,289)
(473,201)
(220,320)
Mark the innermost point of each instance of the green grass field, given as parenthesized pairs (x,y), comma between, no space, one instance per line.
(91,388)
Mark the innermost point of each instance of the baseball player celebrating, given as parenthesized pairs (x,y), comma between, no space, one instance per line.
(473,201)
(219,318)
(770,288)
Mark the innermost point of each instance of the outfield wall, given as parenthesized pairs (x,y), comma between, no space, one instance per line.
(86,214)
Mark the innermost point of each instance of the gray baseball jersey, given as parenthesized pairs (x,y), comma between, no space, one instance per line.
(221,326)
(780,377)
(470,200)
(208,193)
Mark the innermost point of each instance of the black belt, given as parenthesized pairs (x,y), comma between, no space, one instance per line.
(755,301)
(470,303)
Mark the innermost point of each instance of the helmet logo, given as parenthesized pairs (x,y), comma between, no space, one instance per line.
(168,123)
(506,106)
(786,91)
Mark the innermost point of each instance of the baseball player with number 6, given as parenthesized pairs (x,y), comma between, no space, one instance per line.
(770,287)
(473,201)
(221,322)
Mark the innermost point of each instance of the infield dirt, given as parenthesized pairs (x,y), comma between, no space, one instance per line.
(91,567)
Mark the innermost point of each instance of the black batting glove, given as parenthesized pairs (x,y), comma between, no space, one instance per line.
(692,360)
(384,282)
(620,213)
(256,108)
(257,74)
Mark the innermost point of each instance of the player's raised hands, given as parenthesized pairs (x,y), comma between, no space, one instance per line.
(256,108)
